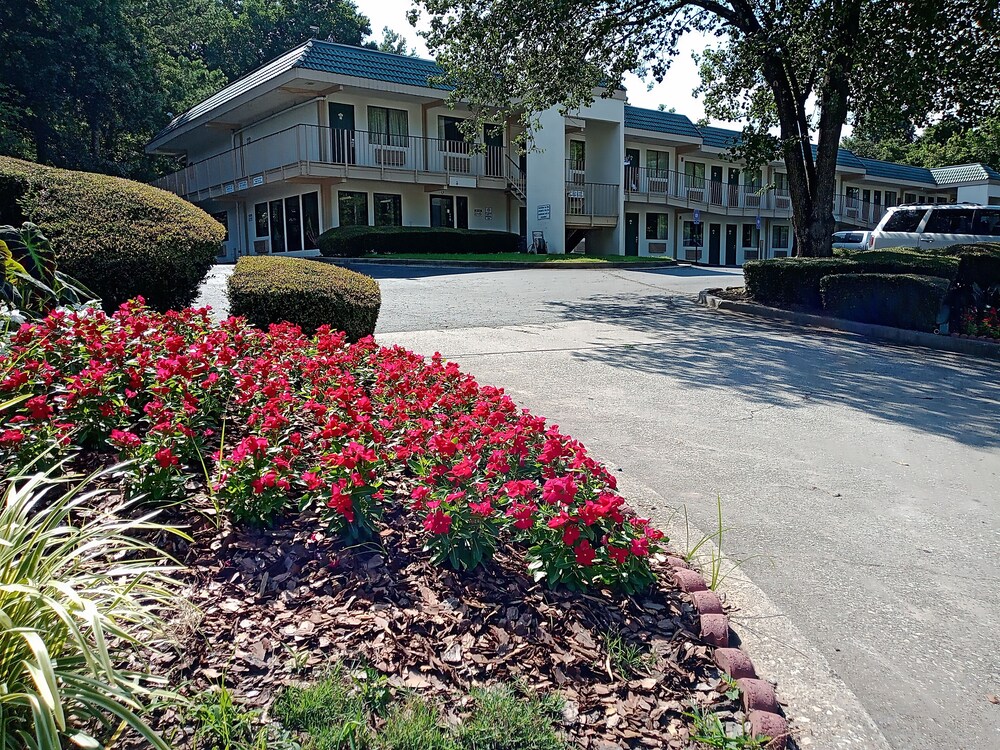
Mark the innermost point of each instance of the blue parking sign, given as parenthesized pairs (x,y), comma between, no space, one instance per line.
(758,222)
(697,216)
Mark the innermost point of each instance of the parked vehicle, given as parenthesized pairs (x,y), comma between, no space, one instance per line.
(927,226)
(850,240)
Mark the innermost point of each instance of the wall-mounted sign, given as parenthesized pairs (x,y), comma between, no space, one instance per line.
(464,182)
(544,211)
(230,189)
(258,180)
(241,185)
(489,213)
(477,212)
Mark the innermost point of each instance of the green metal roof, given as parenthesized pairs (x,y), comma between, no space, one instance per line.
(890,171)
(659,122)
(964,173)
(368,63)
(720,137)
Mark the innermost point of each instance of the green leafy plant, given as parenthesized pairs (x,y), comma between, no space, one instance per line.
(77,587)
(415,725)
(710,731)
(32,284)
(332,711)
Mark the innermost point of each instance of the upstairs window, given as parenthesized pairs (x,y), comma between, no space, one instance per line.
(694,174)
(577,155)
(657,162)
(388,127)
(781,183)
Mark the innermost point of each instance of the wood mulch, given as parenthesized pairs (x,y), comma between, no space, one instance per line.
(269,608)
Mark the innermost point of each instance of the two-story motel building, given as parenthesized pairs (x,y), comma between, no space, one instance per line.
(329,135)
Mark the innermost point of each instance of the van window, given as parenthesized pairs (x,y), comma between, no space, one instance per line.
(906,220)
(987,222)
(949,221)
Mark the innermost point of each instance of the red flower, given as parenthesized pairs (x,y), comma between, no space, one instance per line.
(570,534)
(560,490)
(38,408)
(11,437)
(165,458)
(585,554)
(618,554)
(125,439)
(640,547)
(312,480)
(438,522)
(342,502)
(481,509)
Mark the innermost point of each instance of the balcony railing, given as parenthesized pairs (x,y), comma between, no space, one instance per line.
(250,164)
(593,199)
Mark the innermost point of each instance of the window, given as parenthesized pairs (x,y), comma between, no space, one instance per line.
(890,198)
(781,183)
(752,181)
(852,197)
(658,163)
(987,222)
(909,198)
(353,208)
(906,220)
(223,218)
(657,226)
(388,210)
(260,220)
(388,127)
(694,234)
(577,155)
(451,135)
(276,210)
(751,235)
(944,221)
(310,221)
(779,236)
(293,224)
(694,174)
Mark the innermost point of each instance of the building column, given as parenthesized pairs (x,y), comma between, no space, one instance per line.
(546,188)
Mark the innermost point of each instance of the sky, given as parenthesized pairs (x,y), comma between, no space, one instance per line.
(674,92)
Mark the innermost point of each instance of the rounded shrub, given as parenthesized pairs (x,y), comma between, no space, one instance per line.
(902,260)
(899,300)
(353,242)
(119,238)
(792,282)
(309,293)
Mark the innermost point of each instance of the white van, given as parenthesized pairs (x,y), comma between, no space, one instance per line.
(926,226)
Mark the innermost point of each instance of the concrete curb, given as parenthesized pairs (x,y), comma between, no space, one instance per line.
(492,265)
(954,343)
(760,701)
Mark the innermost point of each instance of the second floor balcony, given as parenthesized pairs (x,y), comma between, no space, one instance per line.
(305,151)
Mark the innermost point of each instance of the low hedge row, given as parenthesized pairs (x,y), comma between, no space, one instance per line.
(901,300)
(977,263)
(354,242)
(119,238)
(309,293)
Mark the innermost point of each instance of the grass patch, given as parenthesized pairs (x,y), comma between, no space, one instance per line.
(569,258)
(415,725)
(626,658)
(710,731)
(504,718)
(334,711)
(222,724)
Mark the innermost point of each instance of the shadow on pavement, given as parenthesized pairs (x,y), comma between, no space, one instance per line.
(777,364)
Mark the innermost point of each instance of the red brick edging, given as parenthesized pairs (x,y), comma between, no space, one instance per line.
(759,699)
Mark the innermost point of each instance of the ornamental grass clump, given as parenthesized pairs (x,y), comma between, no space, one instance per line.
(358,435)
(78,588)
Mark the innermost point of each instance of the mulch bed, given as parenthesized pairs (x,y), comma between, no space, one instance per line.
(733,294)
(273,607)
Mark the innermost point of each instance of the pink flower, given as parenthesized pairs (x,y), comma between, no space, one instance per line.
(570,534)
(618,554)
(559,490)
(484,508)
(585,554)
(165,458)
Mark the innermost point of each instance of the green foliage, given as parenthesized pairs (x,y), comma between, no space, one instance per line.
(119,238)
(627,658)
(977,264)
(414,725)
(31,283)
(306,292)
(333,712)
(77,588)
(353,242)
(711,732)
(222,724)
(901,260)
(792,282)
(951,141)
(504,718)
(899,300)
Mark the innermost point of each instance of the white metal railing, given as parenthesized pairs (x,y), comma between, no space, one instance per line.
(593,199)
(237,168)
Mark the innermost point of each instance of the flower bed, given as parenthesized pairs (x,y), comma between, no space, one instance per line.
(278,421)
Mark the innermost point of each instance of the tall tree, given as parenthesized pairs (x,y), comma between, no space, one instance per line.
(795,70)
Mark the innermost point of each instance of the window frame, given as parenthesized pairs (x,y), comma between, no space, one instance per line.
(660,226)
(387,137)
(356,194)
(397,200)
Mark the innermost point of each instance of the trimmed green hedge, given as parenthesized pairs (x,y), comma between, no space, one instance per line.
(900,300)
(354,242)
(977,264)
(792,282)
(901,260)
(120,238)
(309,293)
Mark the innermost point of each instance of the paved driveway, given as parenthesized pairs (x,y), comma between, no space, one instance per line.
(859,482)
